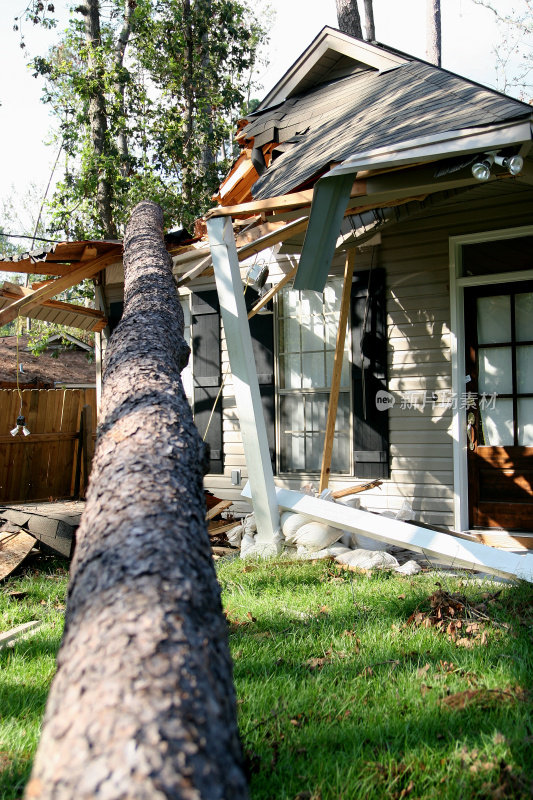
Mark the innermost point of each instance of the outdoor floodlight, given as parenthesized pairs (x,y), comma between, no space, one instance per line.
(257,275)
(513,164)
(20,427)
(481,169)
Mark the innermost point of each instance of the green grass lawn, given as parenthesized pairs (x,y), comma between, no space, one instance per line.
(27,668)
(339,694)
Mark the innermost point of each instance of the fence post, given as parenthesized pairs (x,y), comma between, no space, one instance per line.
(87,445)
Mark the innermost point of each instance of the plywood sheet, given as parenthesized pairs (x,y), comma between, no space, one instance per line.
(15,545)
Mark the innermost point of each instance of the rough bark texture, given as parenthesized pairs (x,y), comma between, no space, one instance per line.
(143,704)
(188,87)
(348,18)
(370,28)
(98,117)
(120,51)
(433,33)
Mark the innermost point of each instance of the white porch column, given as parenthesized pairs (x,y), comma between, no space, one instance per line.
(246,385)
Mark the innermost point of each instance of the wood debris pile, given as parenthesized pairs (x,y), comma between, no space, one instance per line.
(463,621)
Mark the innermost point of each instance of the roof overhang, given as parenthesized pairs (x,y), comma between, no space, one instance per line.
(403,170)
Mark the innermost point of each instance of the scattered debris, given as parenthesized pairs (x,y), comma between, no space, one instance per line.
(463,621)
(18,632)
(481,697)
(460,553)
(15,545)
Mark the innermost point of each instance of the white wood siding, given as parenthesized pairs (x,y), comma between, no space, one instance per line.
(415,257)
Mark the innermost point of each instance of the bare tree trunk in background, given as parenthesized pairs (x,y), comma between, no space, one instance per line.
(433,34)
(143,706)
(208,156)
(370,28)
(120,51)
(189,104)
(348,18)
(98,117)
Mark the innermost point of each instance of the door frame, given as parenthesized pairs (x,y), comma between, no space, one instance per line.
(458,283)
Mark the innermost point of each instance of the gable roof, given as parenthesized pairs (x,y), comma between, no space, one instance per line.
(367,109)
(330,53)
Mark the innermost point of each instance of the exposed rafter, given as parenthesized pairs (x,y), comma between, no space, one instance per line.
(86,270)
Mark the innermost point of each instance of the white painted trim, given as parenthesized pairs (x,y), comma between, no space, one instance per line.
(436,146)
(449,549)
(457,340)
(330,39)
(245,383)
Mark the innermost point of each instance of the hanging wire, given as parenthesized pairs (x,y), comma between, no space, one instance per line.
(46,192)
(18,364)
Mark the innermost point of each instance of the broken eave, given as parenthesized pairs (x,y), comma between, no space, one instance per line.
(391,175)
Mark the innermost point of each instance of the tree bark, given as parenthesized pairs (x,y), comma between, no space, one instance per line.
(143,705)
(120,52)
(98,118)
(188,87)
(433,34)
(348,18)
(370,28)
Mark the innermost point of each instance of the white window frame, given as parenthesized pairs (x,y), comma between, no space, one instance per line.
(279,392)
(458,283)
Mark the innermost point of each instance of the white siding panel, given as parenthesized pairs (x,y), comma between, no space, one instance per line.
(415,258)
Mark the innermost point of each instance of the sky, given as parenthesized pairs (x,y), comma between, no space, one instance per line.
(469,36)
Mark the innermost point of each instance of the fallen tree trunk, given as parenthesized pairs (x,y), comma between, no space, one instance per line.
(143,704)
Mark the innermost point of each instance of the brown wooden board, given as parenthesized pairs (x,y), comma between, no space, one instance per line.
(14,547)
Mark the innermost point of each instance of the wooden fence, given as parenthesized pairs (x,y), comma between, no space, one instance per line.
(48,463)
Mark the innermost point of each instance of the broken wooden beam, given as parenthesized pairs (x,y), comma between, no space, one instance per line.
(86,270)
(360,487)
(218,509)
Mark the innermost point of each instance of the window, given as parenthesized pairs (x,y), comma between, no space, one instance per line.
(307,324)
(187,372)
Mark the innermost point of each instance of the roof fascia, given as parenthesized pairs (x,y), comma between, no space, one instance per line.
(323,229)
(437,146)
(329,39)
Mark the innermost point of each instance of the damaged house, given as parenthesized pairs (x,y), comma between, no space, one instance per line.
(375,188)
(425,178)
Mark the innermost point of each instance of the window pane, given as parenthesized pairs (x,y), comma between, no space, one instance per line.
(524,369)
(494,319)
(524,317)
(525,421)
(332,296)
(289,302)
(313,370)
(303,424)
(307,334)
(497,424)
(290,373)
(331,327)
(312,333)
(495,370)
(311,303)
(290,342)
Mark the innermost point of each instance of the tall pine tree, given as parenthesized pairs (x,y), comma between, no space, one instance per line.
(145,96)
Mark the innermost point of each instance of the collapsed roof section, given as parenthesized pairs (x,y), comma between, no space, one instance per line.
(353,127)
